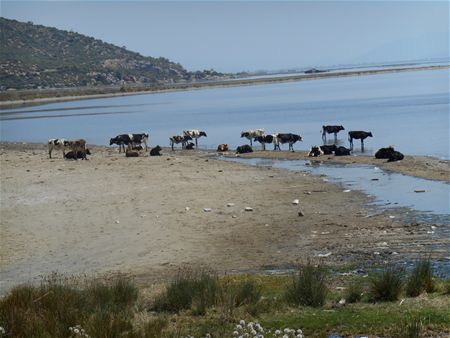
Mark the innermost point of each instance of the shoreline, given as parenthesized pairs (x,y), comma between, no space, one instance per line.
(10,104)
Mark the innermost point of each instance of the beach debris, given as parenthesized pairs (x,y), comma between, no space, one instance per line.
(207,209)
(375,179)
(342,301)
(248,209)
(301,213)
(230,204)
(307,193)
(401,302)
(142,215)
(266,225)
(234,216)
(187,208)
(391,216)
(419,190)
(376,253)
(347,190)
(324,254)
(117,221)
(296,202)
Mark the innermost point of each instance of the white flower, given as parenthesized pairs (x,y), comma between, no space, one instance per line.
(253,331)
(76,331)
(2,330)
(285,336)
(300,331)
(239,327)
(287,330)
(299,335)
(235,333)
(277,332)
(259,327)
(242,322)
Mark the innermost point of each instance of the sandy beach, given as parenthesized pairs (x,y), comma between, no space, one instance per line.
(148,216)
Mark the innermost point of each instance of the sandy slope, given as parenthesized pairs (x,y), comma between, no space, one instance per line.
(146,216)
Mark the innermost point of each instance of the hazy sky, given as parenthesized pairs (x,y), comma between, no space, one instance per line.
(252,35)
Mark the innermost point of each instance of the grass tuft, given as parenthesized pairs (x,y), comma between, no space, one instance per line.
(411,329)
(420,279)
(354,292)
(309,286)
(386,285)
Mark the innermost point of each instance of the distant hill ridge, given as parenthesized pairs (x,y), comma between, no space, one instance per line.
(34,57)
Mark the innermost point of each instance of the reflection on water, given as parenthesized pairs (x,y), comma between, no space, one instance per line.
(407,110)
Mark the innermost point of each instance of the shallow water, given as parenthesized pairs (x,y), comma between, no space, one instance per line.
(390,190)
(409,110)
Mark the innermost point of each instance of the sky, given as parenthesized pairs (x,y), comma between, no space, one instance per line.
(235,36)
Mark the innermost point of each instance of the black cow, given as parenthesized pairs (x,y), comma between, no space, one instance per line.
(330,130)
(127,139)
(179,139)
(264,139)
(358,135)
(156,151)
(190,146)
(342,151)
(389,153)
(286,138)
(244,149)
(80,155)
(328,149)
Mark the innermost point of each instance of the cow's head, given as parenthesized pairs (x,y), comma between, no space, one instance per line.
(202,133)
(369,134)
(112,141)
(341,128)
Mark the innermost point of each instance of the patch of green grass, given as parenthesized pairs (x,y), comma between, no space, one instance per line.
(309,286)
(354,292)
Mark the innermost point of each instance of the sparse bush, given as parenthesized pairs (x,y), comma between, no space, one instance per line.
(154,327)
(200,288)
(59,304)
(446,287)
(249,292)
(420,279)
(411,329)
(354,292)
(309,286)
(386,285)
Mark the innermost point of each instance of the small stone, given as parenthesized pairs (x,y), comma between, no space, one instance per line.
(248,209)
(301,214)
(296,202)
(234,216)
(324,255)
(342,301)
(187,208)
(347,190)
(117,221)
(207,209)
(230,204)
(419,190)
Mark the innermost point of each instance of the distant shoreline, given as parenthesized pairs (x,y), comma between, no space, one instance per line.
(54,95)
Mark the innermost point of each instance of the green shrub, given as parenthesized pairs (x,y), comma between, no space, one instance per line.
(154,328)
(420,279)
(49,310)
(386,285)
(188,288)
(248,292)
(309,286)
(354,292)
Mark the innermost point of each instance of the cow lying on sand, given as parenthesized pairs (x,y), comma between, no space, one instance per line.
(79,155)
(390,153)
(244,149)
(194,134)
(156,151)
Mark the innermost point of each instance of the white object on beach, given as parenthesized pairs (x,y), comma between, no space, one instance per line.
(230,204)
(117,221)
(248,209)
(207,209)
(324,255)
(296,201)
(347,190)
(187,208)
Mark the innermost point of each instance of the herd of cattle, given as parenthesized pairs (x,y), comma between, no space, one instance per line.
(136,142)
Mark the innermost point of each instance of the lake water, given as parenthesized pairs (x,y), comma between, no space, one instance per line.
(408,110)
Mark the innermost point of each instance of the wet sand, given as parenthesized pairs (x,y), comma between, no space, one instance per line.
(148,216)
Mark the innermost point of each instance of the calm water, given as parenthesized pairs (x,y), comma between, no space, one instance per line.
(407,110)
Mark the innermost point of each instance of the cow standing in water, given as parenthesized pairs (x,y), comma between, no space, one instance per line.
(358,135)
(331,130)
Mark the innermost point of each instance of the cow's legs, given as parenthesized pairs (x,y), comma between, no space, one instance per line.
(362,145)
(196,143)
(324,137)
(335,138)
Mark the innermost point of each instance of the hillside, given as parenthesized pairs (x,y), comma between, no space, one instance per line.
(35,57)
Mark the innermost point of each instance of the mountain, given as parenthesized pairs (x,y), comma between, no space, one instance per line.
(35,56)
